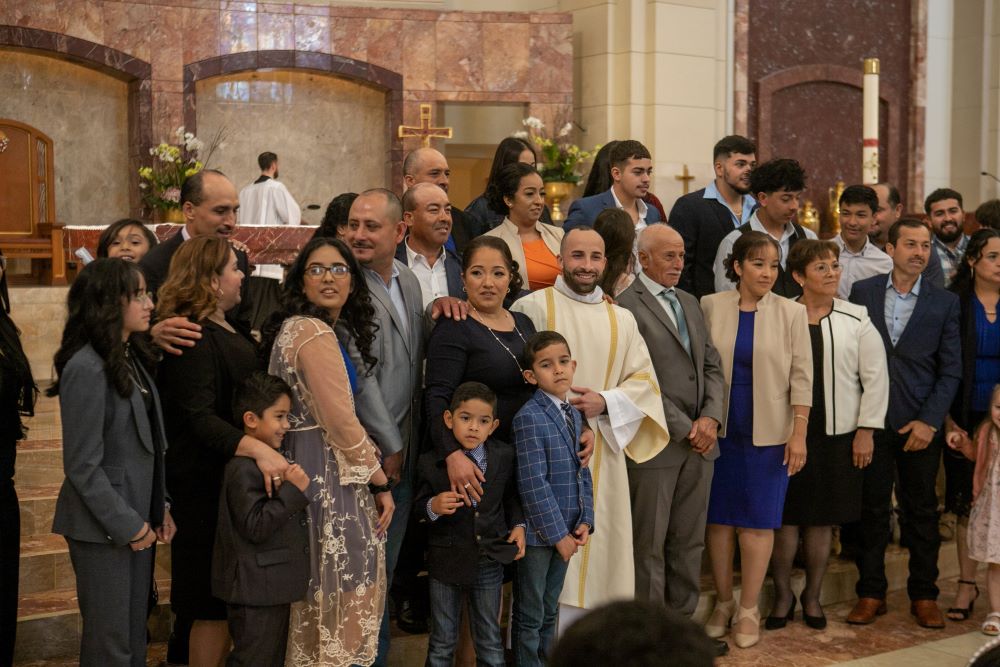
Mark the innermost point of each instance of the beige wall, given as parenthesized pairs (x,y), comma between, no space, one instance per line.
(325,131)
(85,114)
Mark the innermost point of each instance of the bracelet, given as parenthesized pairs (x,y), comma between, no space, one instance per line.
(141,537)
(375,489)
(802,417)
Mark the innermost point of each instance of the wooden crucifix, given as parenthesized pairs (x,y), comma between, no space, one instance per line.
(425,131)
(685,177)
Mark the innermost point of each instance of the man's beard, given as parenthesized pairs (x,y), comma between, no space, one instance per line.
(738,186)
(949,235)
(572,283)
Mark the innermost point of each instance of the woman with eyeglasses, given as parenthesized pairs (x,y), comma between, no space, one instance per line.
(351,502)
(112,505)
(198,386)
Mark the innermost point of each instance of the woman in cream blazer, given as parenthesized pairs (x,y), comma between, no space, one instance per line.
(763,340)
(519,193)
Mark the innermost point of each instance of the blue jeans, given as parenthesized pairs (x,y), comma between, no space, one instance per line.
(537,586)
(402,495)
(484,612)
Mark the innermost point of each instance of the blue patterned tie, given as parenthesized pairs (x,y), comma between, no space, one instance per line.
(682,327)
(570,425)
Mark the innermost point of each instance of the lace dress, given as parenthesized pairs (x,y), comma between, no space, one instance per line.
(338,622)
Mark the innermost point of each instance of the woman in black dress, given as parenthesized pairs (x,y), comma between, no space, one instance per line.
(850,395)
(17,399)
(486,347)
(197,388)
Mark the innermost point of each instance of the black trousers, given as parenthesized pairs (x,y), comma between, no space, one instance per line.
(918,521)
(10,547)
(260,635)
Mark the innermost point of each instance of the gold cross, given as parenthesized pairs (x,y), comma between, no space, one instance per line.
(425,131)
(685,177)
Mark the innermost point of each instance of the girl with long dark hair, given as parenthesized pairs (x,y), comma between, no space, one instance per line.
(509,151)
(112,504)
(337,623)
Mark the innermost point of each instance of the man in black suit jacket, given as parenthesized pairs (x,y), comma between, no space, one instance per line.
(427,215)
(427,165)
(919,325)
(209,201)
(704,217)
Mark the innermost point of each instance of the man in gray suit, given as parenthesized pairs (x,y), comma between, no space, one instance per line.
(670,492)
(377,217)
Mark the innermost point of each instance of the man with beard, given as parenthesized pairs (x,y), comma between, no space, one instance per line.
(427,215)
(704,217)
(918,323)
(944,211)
(426,165)
(617,392)
(631,172)
(777,186)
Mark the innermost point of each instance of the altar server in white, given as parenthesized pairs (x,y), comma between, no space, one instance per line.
(267,202)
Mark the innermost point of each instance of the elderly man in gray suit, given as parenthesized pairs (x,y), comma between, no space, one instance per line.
(670,492)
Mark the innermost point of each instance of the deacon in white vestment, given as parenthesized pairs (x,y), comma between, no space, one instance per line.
(267,203)
(616,388)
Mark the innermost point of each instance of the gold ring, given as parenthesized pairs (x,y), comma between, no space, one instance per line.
(467,485)
(276,477)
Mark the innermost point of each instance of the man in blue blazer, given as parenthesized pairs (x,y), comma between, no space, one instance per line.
(919,326)
(631,172)
(427,215)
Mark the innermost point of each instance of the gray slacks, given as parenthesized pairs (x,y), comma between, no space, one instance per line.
(669,509)
(112,586)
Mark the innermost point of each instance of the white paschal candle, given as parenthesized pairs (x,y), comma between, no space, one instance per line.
(869,124)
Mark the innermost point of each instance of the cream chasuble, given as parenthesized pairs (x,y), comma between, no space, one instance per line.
(611,359)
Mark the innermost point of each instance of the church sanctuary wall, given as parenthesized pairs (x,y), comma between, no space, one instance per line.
(85,113)
(438,56)
(319,125)
(798,82)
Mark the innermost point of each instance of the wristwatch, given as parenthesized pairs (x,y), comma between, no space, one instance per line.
(376,489)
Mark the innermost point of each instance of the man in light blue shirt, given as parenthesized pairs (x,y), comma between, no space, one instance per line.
(899,307)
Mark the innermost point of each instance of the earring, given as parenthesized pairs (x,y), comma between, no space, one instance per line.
(220,293)
(463,288)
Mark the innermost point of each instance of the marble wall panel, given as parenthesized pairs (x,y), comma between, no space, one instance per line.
(275,31)
(819,127)
(201,34)
(126,28)
(459,49)
(319,125)
(312,32)
(85,113)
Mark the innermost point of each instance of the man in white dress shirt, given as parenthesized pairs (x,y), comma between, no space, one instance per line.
(859,257)
(266,201)
(427,215)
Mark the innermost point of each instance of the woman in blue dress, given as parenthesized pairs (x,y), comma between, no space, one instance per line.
(767,361)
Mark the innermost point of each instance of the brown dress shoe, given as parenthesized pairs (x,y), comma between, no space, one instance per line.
(927,613)
(865,611)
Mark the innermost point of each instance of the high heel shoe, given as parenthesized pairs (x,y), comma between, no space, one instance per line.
(960,613)
(778,622)
(718,622)
(747,639)
(814,622)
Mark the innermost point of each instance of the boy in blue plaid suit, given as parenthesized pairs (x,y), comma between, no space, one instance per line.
(557,493)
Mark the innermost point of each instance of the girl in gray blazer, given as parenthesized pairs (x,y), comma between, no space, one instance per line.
(112,505)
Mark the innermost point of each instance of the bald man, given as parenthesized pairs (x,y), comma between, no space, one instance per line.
(427,215)
(670,491)
(427,165)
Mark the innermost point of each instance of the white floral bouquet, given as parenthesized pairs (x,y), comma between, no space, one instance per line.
(560,157)
(172,164)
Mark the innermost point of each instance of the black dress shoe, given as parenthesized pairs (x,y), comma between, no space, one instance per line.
(409,620)
(814,622)
(721,647)
(778,622)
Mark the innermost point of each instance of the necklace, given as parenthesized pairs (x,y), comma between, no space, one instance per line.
(482,320)
(133,373)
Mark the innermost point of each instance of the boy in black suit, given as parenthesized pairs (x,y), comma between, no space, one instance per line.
(468,546)
(261,560)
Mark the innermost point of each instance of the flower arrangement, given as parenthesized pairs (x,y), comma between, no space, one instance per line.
(560,158)
(173,163)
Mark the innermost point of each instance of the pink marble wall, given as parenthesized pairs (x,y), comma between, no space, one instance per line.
(442,56)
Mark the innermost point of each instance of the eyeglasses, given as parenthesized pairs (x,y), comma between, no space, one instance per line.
(318,271)
(142,297)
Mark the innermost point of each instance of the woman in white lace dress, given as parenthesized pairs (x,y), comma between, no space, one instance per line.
(337,624)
